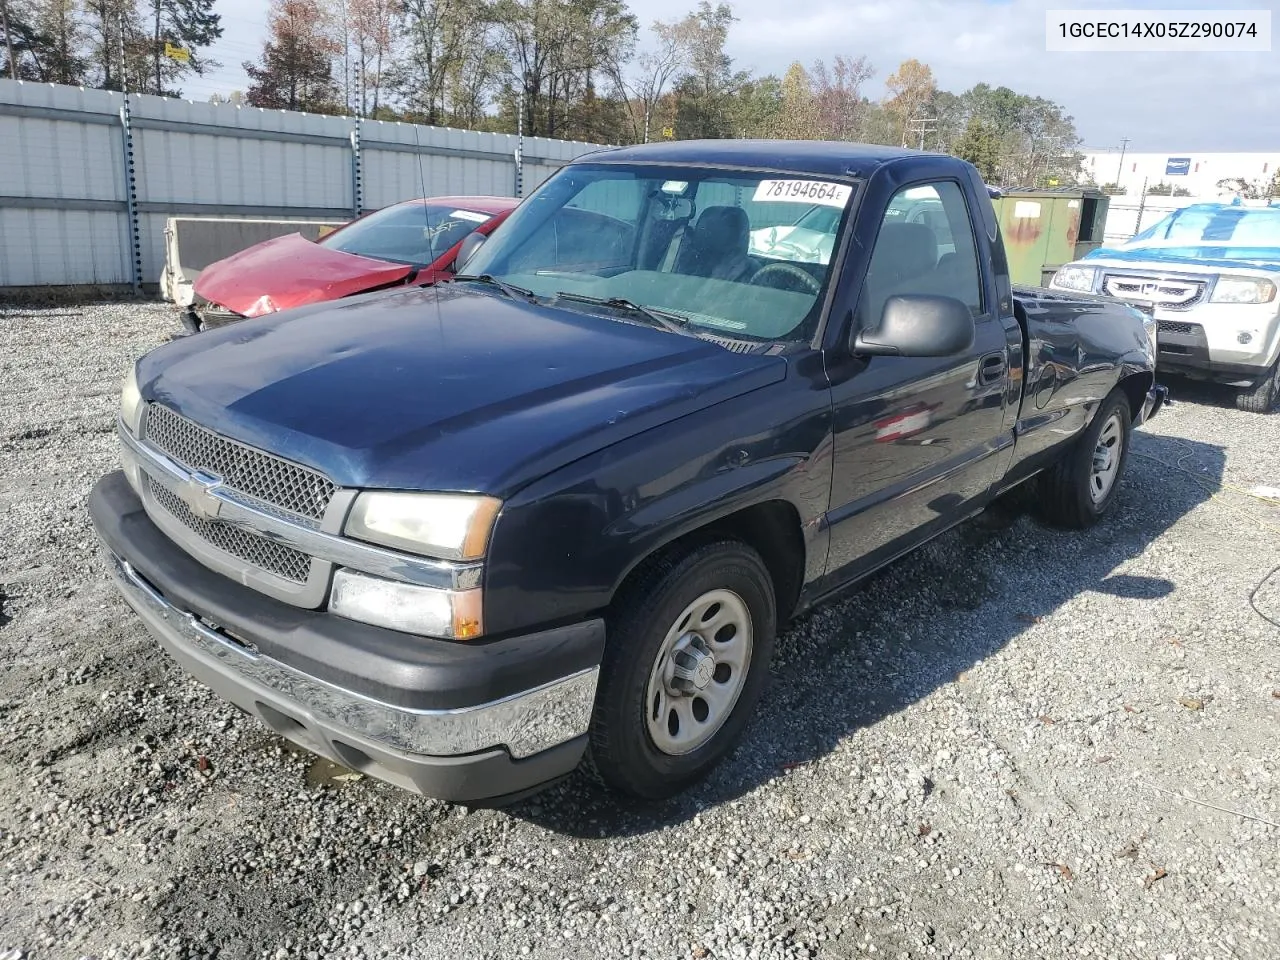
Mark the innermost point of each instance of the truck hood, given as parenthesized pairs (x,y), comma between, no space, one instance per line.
(291,271)
(1198,258)
(449,388)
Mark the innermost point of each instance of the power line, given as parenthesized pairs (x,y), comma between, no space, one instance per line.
(922,125)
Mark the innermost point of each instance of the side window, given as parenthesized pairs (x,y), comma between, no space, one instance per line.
(925,245)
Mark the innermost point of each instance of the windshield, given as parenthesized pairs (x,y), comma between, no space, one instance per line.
(415,233)
(684,241)
(1214,231)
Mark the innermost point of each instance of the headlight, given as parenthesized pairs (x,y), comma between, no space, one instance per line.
(1242,290)
(1075,278)
(450,614)
(131,402)
(448,526)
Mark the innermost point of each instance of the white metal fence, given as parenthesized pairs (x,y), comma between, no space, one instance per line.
(1128,215)
(86,185)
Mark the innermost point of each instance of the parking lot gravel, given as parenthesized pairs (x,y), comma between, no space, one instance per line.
(1018,743)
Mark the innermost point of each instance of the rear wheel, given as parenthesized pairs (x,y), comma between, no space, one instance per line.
(1263,397)
(1077,490)
(686,661)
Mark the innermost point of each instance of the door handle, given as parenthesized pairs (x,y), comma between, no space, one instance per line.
(991,368)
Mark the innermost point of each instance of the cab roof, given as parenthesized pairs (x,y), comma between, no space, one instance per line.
(815,157)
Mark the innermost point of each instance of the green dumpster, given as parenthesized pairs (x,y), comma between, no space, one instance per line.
(1043,229)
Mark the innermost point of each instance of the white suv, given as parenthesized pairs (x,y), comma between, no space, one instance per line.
(1210,271)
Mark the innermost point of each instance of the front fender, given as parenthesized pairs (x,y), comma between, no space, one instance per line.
(711,499)
(562,546)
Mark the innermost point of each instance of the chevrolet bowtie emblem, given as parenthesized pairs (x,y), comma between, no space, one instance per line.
(197,493)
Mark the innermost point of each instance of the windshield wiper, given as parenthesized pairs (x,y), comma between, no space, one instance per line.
(510,289)
(666,319)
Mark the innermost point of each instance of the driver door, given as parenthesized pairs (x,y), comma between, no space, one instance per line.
(915,437)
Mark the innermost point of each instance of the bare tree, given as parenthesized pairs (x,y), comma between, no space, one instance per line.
(557,50)
(373,29)
(656,70)
(837,91)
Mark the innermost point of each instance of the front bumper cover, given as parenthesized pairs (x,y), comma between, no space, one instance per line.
(515,731)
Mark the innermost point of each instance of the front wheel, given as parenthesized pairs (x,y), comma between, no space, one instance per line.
(1077,490)
(685,663)
(1263,397)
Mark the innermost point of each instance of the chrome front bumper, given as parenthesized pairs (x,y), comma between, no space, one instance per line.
(334,721)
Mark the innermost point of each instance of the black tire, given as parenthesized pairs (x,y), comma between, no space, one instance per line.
(1065,495)
(1264,397)
(621,754)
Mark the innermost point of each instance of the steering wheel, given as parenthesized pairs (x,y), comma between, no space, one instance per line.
(787,270)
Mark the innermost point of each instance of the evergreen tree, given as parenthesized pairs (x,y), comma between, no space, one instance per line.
(295,71)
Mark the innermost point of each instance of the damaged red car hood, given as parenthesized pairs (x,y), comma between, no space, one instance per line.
(291,271)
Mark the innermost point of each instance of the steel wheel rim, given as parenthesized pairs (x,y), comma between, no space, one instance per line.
(698,673)
(1106,459)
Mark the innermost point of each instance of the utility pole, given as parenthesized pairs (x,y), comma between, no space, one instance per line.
(124,73)
(8,39)
(520,143)
(158,87)
(1124,142)
(360,80)
(346,55)
(923,126)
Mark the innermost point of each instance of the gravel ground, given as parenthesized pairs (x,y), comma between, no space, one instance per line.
(1018,744)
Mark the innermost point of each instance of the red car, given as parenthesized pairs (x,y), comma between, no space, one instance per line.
(414,242)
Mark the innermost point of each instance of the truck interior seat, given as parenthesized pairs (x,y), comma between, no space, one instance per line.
(716,245)
(905,256)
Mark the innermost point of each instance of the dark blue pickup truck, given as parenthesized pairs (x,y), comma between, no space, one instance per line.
(553,512)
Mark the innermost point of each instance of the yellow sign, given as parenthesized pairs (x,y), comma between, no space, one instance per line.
(176,53)
(669,132)
(1053,181)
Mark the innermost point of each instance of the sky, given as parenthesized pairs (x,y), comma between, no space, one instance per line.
(1202,102)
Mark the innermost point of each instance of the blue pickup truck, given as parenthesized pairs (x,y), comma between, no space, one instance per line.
(551,514)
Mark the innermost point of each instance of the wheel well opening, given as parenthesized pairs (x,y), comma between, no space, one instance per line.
(773,530)
(1135,387)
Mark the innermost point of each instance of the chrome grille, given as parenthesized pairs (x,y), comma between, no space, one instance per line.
(279,483)
(1176,326)
(1172,293)
(284,562)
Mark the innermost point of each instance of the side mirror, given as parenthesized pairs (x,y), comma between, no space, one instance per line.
(470,244)
(918,325)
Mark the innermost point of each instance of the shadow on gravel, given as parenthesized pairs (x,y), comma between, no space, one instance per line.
(1200,392)
(914,627)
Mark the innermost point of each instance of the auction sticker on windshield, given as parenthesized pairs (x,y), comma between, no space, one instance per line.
(803,191)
